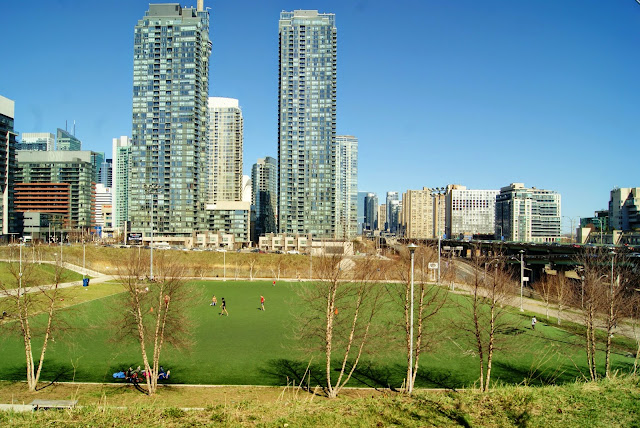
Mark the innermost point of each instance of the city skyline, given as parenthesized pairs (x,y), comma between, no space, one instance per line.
(484,94)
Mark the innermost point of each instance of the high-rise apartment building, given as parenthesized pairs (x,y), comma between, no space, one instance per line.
(382,216)
(307,124)
(67,141)
(624,205)
(44,141)
(264,179)
(225,149)
(8,143)
(391,225)
(120,183)
(346,186)
(417,214)
(470,212)
(168,164)
(528,214)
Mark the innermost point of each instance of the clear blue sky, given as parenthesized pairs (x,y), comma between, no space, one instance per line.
(478,93)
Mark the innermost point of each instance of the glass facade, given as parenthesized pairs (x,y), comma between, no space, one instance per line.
(264,180)
(225,149)
(121,158)
(8,143)
(307,123)
(528,214)
(346,186)
(67,141)
(37,141)
(74,168)
(169,133)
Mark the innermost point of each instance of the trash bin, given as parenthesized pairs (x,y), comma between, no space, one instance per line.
(85,282)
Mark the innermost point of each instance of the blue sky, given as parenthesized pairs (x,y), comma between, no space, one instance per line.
(478,93)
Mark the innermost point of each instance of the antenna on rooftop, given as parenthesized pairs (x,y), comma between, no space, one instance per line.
(74,128)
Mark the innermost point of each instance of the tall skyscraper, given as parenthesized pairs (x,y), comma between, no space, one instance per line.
(361,197)
(37,141)
(307,123)
(393,203)
(225,149)
(7,168)
(67,141)
(371,212)
(264,178)
(168,144)
(346,186)
(121,158)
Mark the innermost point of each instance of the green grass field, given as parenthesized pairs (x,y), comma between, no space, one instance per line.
(39,274)
(254,347)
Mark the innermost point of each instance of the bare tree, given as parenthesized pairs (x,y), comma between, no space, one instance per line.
(26,301)
(251,263)
(338,321)
(563,292)
(154,311)
(429,298)
(544,288)
(486,310)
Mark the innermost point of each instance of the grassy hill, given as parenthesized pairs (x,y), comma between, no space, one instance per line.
(610,403)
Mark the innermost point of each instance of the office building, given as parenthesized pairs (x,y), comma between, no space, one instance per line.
(105,176)
(65,175)
(168,184)
(624,204)
(307,124)
(391,225)
(225,149)
(470,212)
(8,144)
(346,186)
(264,179)
(370,212)
(528,214)
(360,212)
(44,141)
(104,197)
(66,141)
(121,158)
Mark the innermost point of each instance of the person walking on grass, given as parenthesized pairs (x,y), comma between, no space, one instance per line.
(262,303)
(214,300)
(533,323)
(224,307)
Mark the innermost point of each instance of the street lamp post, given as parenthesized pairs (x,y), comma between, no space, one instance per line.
(439,243)
(151,189)
(412,249)
(521,278)
(224,265)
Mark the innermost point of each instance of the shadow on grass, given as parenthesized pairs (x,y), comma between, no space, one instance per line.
(283,371)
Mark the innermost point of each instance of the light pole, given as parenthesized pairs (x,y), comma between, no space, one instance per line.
(439,242)
(151,189)
(571,219)
(600,222)
(224,265)
(412,249)
(521,278)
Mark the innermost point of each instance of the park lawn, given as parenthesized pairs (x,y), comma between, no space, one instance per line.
(254,347)
(39,274)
